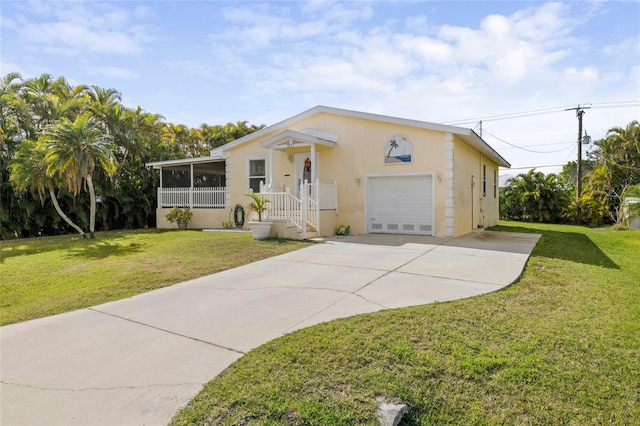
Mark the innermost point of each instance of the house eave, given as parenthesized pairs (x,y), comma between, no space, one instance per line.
(157,165)
(466,134)
(292,139)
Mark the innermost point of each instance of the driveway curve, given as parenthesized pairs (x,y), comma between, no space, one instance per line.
(137,361)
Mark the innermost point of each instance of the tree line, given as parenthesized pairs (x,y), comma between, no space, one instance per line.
(72,158)
(611,174)
(63,146)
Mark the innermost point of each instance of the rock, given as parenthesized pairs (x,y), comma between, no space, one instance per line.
(391,414)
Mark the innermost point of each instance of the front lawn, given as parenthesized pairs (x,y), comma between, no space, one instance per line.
(562,346)
(50,275)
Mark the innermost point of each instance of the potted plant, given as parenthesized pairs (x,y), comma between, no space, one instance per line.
(260,230)
(229,223)
(180,215)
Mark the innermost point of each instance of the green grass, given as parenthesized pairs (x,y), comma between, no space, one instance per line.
(562,346)
(50,275)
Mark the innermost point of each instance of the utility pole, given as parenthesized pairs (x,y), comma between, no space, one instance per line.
(579,113)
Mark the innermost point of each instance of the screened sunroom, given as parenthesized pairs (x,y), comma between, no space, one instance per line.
(194,182)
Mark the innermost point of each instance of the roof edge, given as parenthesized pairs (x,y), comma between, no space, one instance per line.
(464,132)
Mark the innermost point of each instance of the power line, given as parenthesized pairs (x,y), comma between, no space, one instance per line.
(525,149)
(571,153)
(508,116)
(538,144)
(537,152)
(535,167)
(621,103)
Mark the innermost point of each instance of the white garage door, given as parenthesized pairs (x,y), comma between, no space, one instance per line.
(400,205)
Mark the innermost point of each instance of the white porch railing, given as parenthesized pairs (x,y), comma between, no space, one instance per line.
(326,195)
(213,198)
(303,211)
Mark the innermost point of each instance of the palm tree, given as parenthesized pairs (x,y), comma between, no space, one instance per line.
(74,149)
(393,145)
(29,170)
(534,196)
(12,109)
(617,166)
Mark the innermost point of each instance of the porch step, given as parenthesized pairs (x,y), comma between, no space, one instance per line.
(310,233)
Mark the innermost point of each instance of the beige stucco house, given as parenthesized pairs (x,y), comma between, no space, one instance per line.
(328,167)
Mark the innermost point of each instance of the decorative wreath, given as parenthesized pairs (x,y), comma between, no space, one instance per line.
(238,216)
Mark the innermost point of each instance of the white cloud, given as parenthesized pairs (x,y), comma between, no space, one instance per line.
(586,75)
(344,14)
(197,68)
(113,72)
(142,12)
(418,60)
(76,28)
(431,52)
(323,52)
(628,48)
(7,67)
(512,47)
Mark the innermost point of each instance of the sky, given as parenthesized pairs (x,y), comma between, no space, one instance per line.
(517,66)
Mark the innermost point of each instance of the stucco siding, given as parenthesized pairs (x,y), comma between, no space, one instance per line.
(201,219)
(465,196)
(359,152)
(358,147)
(473,208)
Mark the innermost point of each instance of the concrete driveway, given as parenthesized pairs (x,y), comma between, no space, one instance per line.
(138,361)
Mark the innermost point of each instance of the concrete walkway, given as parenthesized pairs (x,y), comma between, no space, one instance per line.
(138,361)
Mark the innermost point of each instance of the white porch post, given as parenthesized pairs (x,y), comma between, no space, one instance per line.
(314,167)
(271,168)
(191,188)
(160,190)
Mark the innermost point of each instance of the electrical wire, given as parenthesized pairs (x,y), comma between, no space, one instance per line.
(525,149)
(597,105)
(539,144)
(575,147)
(535,167)
(507,116)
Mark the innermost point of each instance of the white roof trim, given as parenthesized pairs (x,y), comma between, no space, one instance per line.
(291,138)
(467,135)
(214,157)
(320,134)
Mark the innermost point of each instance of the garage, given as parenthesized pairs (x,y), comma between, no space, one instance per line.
(400,204)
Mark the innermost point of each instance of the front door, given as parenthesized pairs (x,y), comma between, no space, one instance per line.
(304,166)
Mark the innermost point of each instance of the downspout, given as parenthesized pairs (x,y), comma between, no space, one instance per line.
(472,185)
(482,194)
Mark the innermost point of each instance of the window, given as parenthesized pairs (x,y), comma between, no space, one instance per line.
(257,174)
(484,180)
(495,183)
